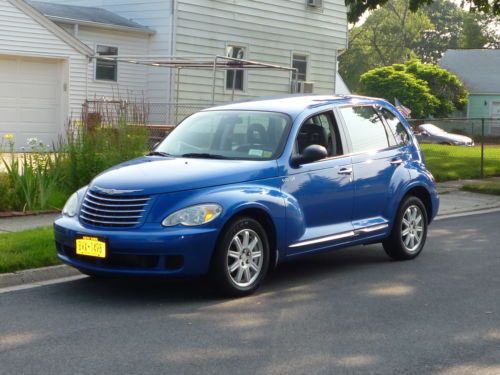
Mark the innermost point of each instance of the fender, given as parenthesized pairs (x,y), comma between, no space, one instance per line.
(419,177)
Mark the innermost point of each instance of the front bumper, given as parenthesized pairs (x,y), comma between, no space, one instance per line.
(148,250)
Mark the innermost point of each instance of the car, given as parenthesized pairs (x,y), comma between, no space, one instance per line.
(235,190)
(430,133)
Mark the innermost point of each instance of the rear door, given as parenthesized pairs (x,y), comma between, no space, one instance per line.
(378,167)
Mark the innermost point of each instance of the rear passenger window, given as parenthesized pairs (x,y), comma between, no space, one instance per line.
(366,130)
(397,128)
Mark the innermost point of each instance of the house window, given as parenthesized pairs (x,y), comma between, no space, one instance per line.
(106,70)
(299,62)
(237,75)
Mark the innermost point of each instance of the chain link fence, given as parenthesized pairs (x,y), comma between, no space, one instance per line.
(450,155)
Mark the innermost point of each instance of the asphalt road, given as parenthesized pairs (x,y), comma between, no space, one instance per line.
(346,312)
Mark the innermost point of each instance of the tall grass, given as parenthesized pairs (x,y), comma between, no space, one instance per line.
(43,177)
(88,151)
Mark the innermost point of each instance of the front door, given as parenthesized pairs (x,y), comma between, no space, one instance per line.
(319,214)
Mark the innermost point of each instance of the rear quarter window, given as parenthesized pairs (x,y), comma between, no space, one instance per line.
(397,128)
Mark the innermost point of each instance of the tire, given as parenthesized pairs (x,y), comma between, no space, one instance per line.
(409,231)
(241,258)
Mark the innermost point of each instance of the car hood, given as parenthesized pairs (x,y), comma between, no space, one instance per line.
(153,175)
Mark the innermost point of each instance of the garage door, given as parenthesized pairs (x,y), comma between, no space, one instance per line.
(30,99)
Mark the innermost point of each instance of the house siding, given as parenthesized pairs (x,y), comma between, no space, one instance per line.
(480,105)
(269,34)
(20,35)
(132,79)
(155,14)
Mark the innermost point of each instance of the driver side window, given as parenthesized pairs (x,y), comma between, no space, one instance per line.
(319,129)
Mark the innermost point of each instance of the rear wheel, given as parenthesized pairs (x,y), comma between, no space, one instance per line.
(409,231)
(241,259)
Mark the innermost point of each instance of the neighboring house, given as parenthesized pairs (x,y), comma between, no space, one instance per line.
(479,70)
(48,66)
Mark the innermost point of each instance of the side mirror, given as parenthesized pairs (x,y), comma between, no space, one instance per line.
(424,133)
(310,154)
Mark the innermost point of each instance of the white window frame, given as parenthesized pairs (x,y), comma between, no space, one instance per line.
(308,63)
(245,75)
(95,62)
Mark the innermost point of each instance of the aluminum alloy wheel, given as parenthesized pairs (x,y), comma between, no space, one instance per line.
(412,228)
(245,258)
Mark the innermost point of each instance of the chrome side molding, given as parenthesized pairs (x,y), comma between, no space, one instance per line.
(339,236)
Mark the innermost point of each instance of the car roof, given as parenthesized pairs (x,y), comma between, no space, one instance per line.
(293,105)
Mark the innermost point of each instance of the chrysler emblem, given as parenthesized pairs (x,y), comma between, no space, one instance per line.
(115,191)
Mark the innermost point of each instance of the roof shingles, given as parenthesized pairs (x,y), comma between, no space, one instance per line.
(84,14)
(479,69)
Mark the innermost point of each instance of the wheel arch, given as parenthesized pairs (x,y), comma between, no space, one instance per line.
(260,215)
(425,196)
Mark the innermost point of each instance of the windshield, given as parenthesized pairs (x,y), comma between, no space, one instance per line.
(431,129)
(248,135)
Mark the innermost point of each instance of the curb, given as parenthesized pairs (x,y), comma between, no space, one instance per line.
(36,275)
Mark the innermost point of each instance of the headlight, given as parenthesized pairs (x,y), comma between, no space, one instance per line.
(72,205)
(194,215)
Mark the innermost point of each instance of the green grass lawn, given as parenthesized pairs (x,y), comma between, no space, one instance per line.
(458,162)
(28,249)
(486,187)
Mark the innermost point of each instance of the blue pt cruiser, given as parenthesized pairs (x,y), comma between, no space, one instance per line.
(235,190)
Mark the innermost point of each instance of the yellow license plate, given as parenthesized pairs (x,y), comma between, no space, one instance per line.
(91,246)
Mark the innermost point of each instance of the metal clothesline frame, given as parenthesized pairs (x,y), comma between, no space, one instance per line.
(214,63)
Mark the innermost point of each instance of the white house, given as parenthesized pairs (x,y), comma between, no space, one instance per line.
(48,50)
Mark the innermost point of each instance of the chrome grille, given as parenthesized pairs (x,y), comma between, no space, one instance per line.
(104,210)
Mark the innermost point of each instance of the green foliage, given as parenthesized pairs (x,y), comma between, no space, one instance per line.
(28,249)
(7,196)
(447,20)
(43,179)
(387,37)
(473,34)
(389,82)
(86,153)
(393,34)
(445,86)
(356,8)
(485,187)
(427,89)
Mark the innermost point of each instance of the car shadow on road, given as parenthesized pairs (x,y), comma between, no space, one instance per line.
(294,273)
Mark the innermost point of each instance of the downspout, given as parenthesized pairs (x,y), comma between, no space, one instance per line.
(338,53)
(172,51)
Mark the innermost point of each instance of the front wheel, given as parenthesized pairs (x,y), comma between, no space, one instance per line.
(409,232)
(241,258)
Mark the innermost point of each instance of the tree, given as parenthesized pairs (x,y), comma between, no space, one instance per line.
(447,20)
(387,37)
(427,89)
(472,35)
(445,86)
(393,34)
(356,8)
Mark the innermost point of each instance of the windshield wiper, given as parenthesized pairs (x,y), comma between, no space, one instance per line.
(158,153)
(204,156)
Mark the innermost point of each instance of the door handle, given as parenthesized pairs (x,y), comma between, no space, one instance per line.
(345,171)
(397,161)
